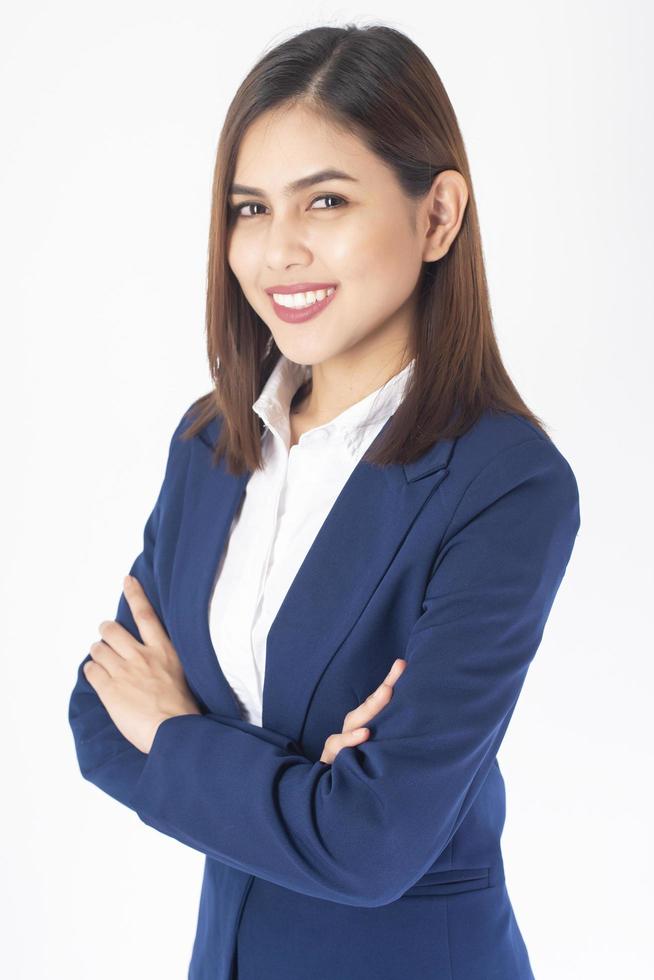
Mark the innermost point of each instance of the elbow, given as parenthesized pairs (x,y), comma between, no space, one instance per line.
(390,891)
(370,895)
(362,898)
(378,882)
(375,901)
(349,884)
(372,898)
(389,880)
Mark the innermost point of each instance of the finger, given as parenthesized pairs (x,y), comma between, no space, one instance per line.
(145,617)
(379,698)
(96,675)
(106,657)
(370,707)
(341,740)
(396,671)
(118,639)
(388,682)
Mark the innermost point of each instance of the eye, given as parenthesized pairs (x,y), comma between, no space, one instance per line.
(329,197)
(236,209)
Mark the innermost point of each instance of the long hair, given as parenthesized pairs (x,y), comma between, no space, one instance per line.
(377,84)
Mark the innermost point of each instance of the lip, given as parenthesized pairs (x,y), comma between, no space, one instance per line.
(300,287)
(299,316)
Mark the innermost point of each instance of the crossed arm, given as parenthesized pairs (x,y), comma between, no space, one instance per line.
(248,797)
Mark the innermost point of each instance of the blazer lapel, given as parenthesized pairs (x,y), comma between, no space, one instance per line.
(211,499)
(351,552)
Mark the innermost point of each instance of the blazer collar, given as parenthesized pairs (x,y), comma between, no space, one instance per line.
(355,545)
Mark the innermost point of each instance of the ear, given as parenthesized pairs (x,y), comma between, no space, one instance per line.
(442,213)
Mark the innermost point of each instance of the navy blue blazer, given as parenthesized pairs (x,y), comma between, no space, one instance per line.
(386,864)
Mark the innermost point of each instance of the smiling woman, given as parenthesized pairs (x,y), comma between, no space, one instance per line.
(369,248)
(357,542)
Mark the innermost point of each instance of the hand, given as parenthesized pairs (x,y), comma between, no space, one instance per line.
(140,684)
(352,734)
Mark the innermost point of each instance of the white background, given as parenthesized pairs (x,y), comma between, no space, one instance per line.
(110,115)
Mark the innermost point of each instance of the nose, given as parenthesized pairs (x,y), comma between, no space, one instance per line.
(285,244)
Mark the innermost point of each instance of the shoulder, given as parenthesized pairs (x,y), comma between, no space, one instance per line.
(202,407)
(505,454)
(506,442)
(180,448)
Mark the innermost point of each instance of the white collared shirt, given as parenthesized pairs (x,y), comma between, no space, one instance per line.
(284,507)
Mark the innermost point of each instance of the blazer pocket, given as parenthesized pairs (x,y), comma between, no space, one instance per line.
(450,882)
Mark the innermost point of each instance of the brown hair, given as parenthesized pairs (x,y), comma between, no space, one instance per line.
(377,84)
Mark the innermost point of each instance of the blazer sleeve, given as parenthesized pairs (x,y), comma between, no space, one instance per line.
(105,757)
(363,830)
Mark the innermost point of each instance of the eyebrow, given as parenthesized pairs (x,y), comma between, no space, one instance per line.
(297,185)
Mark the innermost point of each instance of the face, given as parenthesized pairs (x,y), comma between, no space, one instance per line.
(357,232)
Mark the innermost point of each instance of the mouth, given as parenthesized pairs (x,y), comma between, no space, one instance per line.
(313,303)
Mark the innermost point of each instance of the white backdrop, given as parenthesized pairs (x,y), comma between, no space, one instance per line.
(110,116)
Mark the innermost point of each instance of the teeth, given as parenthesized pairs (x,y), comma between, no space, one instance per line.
(297,301)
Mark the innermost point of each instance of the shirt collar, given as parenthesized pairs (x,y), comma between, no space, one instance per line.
(350,426)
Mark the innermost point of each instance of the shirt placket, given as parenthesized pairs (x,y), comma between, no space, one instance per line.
(281,463)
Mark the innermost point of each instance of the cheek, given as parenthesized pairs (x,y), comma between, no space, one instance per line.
(234,261)
(380,243)
(241,261)
(385,265)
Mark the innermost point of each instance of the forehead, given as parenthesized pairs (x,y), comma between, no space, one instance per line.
(283,145)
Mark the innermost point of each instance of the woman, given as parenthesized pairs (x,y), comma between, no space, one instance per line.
(362,503)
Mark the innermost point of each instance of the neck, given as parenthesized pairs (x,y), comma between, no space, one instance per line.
(325,395)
